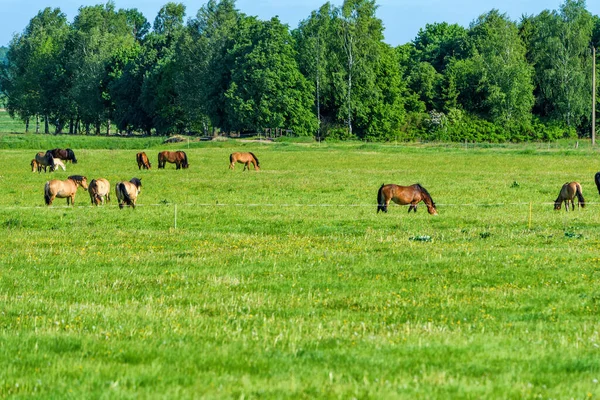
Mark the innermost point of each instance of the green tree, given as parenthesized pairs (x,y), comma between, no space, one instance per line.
(559,48)
(498,59)
(267,89)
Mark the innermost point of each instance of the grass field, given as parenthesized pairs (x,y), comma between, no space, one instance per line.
(286,283)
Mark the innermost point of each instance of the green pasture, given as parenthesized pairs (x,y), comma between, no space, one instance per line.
(285,283)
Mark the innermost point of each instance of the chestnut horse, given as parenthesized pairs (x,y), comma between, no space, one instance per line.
(179,158)
(244,158)
(404,195)
(99,190)
(44,160)
(567,193)
(142,160)
(35,166)
(63,154)
(62,189)
(127,192)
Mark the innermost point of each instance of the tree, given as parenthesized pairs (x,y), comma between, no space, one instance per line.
(504,78)
(559,49)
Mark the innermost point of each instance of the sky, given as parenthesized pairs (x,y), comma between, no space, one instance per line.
(402,19)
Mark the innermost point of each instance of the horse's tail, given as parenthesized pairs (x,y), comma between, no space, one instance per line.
(580,196)
(47,193)
(597,179)
(124,193)
(380,200)
(231,161)
(255,158)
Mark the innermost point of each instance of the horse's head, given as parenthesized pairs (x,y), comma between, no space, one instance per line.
(80,180)
(137,182)
(557,204)
(431,209)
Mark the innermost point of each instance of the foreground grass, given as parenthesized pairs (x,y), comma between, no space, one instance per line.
(286,283)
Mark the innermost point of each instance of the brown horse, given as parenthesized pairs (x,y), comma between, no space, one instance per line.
(35,166)
(127,192)
(63,154)
(62,189)
(142,160)
(45,160)
(179,158)
(244,158)
(567,193)
(99,191)
(404,195)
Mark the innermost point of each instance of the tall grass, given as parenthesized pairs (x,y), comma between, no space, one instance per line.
(286,283)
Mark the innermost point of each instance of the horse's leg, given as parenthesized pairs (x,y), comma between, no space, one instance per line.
(247,165)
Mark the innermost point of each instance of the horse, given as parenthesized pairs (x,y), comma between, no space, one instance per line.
(179,158)
(404,195)
(127,192)
(62,189)
(567,193)
(44,160)
(64,154)
(58,163)
(142,160)
(99,190)
(35,166)
(244,158)
(597,180)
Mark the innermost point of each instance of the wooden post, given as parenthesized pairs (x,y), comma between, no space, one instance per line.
(593,96)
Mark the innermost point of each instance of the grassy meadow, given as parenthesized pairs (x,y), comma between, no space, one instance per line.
(285,283)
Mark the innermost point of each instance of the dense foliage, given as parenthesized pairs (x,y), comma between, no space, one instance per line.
(332,76)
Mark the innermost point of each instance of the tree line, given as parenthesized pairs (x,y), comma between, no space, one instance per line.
(332,77)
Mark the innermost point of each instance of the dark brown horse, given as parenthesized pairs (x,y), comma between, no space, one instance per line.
(404,195)
(142,160)
(244,158)
(127,192)
(44,160)
(179,158)
(567,193)
(62,189)
(64,154)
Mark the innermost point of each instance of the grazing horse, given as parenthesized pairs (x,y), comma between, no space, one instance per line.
(62,189)
(64,154)
(127,192)
(567,193)
(58,163)
(244,158)
(404,195)
(44,160)
(35,166)
(179,158)
(99,190)
(142,160)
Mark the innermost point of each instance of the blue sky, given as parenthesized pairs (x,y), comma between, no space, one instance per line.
(402,18)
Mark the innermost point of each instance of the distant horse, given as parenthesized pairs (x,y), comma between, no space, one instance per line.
(179,158)
(58,163)
(99,190)
(35,166)
(64,154)
(244,158)
(404,195)
(44,160)
(62,189)
(567,193)
(597,180)
(127,192)
(142,160)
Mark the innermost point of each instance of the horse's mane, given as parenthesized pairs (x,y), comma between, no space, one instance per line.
(76,178)
(136,181)
(425,192)
(257,163)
